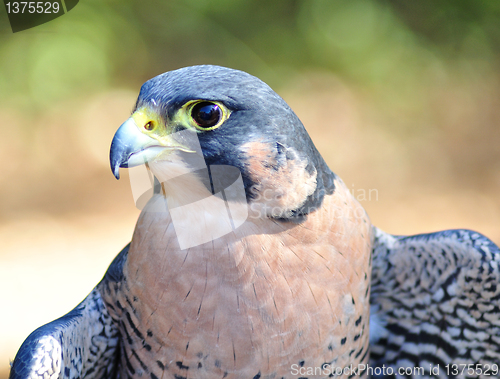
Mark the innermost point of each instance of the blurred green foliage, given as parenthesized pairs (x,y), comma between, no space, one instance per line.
(389,47)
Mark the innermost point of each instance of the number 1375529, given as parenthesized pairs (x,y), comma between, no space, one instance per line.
(472,369)
(32,7)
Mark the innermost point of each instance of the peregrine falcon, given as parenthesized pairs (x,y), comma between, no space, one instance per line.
(296,283)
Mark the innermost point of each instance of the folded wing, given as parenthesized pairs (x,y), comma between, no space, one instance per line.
(80,344)
(435,301)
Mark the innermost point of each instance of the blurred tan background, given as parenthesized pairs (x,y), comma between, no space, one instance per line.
(401,98)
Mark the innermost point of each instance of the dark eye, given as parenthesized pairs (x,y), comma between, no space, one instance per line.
(206,114)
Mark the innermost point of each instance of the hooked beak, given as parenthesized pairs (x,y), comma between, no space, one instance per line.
(130,147)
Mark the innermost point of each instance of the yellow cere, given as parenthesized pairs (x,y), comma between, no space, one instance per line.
(153,125)
(148,121)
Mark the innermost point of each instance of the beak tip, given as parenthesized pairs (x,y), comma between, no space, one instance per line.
(115,168)
(115,164)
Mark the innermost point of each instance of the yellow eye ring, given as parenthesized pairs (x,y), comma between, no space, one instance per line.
(207,115)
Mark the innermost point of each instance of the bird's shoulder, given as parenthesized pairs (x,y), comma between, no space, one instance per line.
(435,299)
(82,343)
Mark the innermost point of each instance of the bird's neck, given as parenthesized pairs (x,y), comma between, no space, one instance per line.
(306,283)
(172,225)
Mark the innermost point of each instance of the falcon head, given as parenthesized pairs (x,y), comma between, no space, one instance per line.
(237,120)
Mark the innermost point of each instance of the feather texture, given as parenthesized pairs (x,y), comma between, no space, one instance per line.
(436,302)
